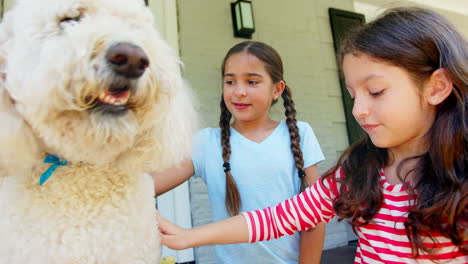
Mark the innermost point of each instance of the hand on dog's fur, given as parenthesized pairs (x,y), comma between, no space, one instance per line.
(172,234)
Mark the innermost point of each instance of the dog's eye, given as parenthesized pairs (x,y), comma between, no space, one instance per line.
(70,19)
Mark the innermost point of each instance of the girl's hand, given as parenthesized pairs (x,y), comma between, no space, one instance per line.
(228,231)
(173,236)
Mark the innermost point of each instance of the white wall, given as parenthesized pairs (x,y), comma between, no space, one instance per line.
(445,8)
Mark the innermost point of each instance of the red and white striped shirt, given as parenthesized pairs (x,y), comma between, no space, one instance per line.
(383,240)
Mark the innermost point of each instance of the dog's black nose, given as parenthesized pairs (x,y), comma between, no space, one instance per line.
(127,59)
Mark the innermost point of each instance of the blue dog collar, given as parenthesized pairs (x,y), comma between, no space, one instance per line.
(55,164)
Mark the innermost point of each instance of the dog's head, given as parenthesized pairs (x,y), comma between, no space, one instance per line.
(95,82)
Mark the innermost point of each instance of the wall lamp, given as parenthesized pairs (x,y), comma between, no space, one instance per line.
(242,19)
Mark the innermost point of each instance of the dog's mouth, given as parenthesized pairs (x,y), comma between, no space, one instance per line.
(113,100)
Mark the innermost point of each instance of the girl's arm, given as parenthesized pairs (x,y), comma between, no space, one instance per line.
(169,179)
(311,244)
(229,231)
(301,212)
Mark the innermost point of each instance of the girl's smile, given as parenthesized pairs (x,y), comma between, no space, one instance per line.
(240,106)
(369,127)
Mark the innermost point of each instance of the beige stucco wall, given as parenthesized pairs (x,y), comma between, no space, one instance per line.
(300,31)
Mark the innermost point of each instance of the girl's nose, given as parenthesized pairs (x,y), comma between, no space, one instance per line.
(241,90)
(360,107)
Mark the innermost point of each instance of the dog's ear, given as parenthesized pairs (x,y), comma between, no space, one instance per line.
(18,146)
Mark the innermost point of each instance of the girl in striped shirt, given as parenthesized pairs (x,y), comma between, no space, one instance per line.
(404,186)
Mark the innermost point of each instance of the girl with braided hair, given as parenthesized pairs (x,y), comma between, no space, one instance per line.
(251,161)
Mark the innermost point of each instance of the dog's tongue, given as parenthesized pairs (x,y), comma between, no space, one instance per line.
(118,95)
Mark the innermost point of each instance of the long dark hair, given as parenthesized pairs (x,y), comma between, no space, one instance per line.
(274,67)
(419,41)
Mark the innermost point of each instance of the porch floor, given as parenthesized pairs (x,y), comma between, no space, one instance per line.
(340,255)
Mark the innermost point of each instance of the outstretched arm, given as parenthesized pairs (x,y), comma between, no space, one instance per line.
(169,179)
(301,212)
(229,231)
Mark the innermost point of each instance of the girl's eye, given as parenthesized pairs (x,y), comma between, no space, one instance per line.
(229,82)
(253,82)
(377,93)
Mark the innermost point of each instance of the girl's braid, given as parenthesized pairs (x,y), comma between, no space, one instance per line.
(232,201)
(291,121)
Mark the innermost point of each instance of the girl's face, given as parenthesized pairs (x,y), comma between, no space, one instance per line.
(248,89)
(388,105)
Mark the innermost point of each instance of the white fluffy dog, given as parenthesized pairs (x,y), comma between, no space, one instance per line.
(92,83)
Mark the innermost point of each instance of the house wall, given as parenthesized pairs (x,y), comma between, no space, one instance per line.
(300,31)
(7,4)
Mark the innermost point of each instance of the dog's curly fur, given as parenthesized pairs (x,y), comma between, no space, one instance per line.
(100,207)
